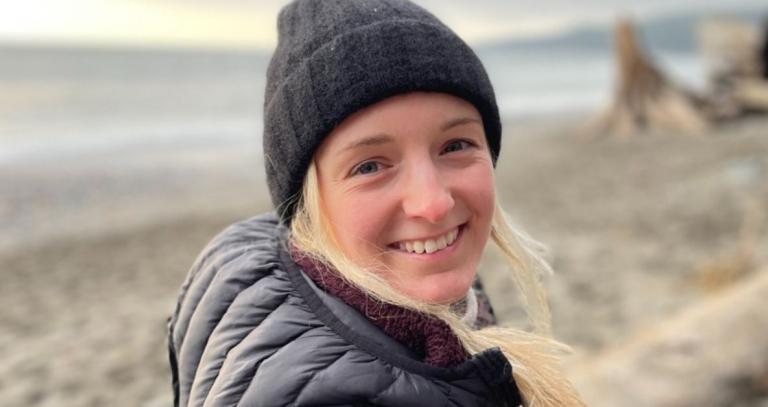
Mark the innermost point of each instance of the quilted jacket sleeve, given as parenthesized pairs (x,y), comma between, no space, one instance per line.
(215,311)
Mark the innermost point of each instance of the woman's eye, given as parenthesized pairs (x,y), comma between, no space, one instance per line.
(367,167)
(456,145)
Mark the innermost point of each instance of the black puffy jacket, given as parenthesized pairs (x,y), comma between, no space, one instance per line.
(250,329)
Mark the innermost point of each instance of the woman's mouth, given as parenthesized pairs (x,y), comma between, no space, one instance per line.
(429,246)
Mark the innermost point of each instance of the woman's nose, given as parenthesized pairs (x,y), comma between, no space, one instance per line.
(426,195)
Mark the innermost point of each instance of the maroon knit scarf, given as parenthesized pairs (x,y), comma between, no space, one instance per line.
(430,338)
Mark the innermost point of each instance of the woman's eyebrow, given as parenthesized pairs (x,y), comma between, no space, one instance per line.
(459,121)
(374,140)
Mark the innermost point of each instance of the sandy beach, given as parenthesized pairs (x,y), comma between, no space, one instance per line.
(95,248)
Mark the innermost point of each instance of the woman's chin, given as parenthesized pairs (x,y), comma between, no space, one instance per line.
(439,291)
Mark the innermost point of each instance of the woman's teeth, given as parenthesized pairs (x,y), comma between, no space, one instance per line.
(431,245)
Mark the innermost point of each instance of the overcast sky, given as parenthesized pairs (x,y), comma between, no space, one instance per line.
(251,23)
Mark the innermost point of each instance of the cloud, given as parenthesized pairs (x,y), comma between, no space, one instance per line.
(251,23)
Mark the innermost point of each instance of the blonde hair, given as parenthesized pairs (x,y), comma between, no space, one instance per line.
(534,356)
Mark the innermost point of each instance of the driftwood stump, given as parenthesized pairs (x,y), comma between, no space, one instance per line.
(644,98)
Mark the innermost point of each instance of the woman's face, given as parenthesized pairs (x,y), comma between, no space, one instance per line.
(407,187)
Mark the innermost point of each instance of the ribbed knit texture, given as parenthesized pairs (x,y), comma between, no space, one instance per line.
(335,57)
(430,338)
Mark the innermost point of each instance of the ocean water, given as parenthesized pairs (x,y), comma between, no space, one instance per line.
(549,82)
(57,102)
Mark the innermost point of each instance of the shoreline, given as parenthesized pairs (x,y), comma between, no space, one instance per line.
(90,191)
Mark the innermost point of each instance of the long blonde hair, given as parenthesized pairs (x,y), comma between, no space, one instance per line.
(534,356)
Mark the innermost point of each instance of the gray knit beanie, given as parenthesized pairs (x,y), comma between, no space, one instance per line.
(335,57)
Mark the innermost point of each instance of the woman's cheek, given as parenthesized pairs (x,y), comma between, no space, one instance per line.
(360,219)
(482,184)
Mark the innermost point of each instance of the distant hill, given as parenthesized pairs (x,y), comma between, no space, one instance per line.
(674,33)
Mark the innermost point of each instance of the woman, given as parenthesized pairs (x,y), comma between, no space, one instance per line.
(381,134)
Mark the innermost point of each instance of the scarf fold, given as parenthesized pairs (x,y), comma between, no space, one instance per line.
(430,338)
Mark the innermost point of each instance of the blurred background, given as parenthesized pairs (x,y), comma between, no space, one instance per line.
(130,133)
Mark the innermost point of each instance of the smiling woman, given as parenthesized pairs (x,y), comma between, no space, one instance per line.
(381,136)
(398,198)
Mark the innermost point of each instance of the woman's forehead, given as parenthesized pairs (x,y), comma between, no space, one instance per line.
(412,113)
